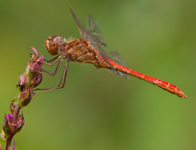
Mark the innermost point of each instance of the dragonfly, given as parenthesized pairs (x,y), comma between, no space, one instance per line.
(89,49)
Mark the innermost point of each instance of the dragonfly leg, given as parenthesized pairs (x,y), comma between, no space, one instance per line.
(49,73)
(52,61)
(64,76)
(61,84)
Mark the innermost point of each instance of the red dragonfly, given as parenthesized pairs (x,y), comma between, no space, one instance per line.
(89,50)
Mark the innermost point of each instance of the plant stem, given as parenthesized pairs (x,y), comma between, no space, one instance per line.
(8,142)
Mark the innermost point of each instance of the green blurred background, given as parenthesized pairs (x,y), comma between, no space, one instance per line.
(98,110)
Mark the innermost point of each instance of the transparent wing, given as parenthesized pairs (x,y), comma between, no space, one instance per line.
(91,38)
(94,30)
(82,30)
(115,56)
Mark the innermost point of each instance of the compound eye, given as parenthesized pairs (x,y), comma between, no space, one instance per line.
(53,44)
(49,38)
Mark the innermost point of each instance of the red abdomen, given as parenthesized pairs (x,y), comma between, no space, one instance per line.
(164,85)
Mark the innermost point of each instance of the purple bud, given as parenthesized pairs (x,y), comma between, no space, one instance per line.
(11,126)
(7,126)
(10,117)
(37,79)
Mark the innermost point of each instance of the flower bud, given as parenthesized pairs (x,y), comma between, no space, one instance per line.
(19,124)
(36,65)
(24,97)
(37,79)
(7,125)
(12,125)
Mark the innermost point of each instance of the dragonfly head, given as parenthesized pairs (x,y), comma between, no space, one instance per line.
(53,44)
